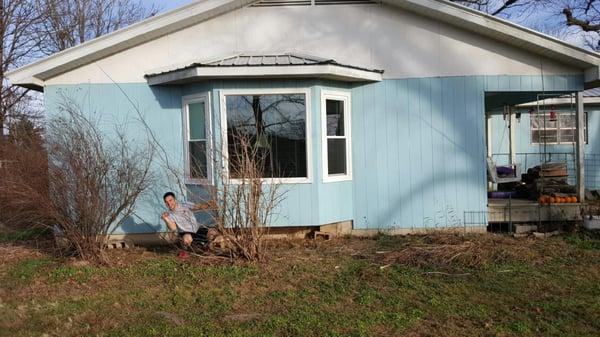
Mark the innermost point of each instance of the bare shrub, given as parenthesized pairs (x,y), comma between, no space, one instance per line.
(245,206)
(94,181)
(82,183)
(24,180)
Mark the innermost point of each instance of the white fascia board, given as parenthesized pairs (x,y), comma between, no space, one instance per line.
(502,30)
(318,71)
(592,75)
(561,101)
(122,39)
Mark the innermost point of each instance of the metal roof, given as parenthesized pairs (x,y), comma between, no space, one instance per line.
(272,65)
(592,92)
(263,60)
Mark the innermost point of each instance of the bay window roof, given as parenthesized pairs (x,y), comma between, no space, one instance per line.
(275,65)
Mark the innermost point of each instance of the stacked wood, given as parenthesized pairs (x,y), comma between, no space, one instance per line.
(549,170)
(548,179)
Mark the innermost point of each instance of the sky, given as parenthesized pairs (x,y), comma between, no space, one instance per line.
(167,5)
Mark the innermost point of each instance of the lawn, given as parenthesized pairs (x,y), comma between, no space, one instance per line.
(436,285)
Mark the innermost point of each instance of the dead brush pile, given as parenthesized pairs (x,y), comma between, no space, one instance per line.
(451,252)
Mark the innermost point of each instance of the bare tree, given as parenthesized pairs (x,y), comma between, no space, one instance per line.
(68,23)
(577,21)
(31,28)
(18,22)
(505,8)
(584,16)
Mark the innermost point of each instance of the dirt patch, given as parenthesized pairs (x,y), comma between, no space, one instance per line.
(170,317)
(15,252)
(242,317)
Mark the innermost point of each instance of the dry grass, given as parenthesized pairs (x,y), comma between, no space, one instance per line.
(455,251)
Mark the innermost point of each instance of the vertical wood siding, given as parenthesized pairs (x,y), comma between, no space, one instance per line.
(418,145)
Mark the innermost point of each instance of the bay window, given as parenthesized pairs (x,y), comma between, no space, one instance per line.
(274,126)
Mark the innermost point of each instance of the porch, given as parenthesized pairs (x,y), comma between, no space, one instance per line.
(536,176)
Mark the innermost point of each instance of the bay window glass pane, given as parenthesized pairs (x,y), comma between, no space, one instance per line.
(336,156)
(198,161)
(335,117)
(272,128)
(196,121)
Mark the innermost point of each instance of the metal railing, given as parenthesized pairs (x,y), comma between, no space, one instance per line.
(530,159)
(527,160)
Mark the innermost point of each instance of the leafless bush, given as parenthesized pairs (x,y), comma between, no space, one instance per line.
(23,182)
(94,182)
(85,184)
(245,206)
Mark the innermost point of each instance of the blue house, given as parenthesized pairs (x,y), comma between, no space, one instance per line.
(374,111)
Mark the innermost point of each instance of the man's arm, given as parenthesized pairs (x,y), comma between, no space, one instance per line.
(172,226)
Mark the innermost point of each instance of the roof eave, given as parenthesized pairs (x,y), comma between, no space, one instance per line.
(196,12)
(122,39)
(328,71)
(502,30)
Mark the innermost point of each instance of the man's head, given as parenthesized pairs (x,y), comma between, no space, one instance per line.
(170,200)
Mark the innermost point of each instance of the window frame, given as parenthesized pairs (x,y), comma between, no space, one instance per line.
(282,91)
(347,99)
(558,128)
(185,103)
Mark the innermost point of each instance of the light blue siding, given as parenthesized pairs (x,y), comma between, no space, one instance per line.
(426,166)
(418,145)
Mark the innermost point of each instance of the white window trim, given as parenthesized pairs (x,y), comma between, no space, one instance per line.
(185,102)
(224,145)
(557,129)
(344,97)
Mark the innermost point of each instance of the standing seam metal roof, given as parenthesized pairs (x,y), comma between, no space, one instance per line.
(267,60)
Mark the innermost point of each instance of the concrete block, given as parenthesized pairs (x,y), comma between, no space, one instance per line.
(592,222)
(522,229)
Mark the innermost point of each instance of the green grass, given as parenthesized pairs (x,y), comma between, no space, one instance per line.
(309,289)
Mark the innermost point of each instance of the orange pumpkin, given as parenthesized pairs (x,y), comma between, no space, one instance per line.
(552,200)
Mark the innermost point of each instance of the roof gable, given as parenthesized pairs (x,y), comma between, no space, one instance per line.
(35,74)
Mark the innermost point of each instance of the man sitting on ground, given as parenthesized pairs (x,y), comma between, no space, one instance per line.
(180,217)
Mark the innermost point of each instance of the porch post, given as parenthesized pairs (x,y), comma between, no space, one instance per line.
(512,124)
(488,134)
(490,150)
(580,142)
